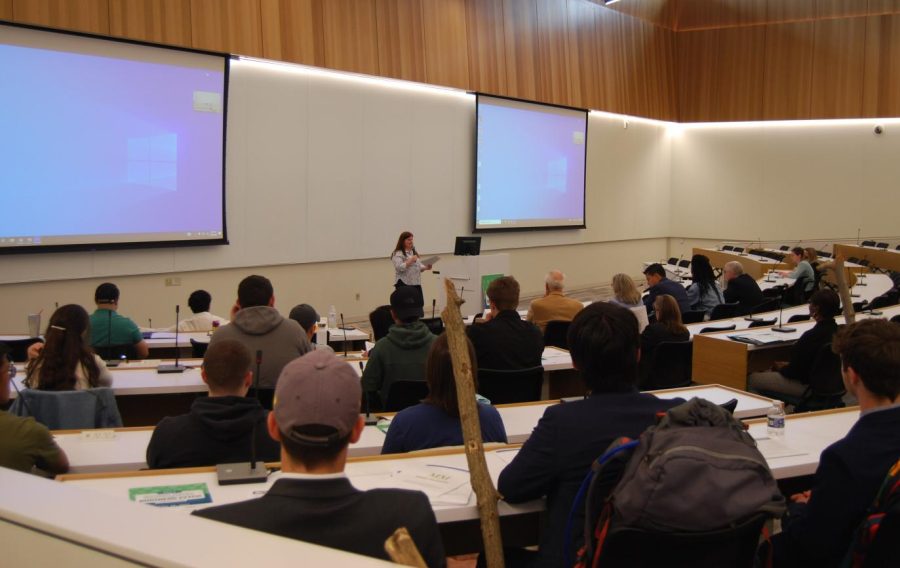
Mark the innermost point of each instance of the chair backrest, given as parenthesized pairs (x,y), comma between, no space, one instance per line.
(796,293)
(864,262)
(896,318)
(69,410)
(266,396)
(738,249)
(403,394)
(763,322)
(881,245)
(853,259)
(555,334)
(784,247)
(436,325)
(728,247)
(868,243)
(684,263)
(715,328)
(673,260)
(823,254)
(887,299)
(507,386)
(670,366)
(825,381)
(198,348)
(110,352)
(637,548)
(799,317)
(768,306)
(692,316)
(724,311)
(19,348)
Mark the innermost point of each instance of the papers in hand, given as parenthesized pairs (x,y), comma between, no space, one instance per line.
(430,259)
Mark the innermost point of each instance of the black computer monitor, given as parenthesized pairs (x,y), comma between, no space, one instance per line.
(467,246)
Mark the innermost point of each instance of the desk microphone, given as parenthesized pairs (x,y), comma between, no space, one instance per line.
(246,472)
(852,295)
(433,306)
(861,277)
(344,327)
(176,368)
(370,420)
(780,327)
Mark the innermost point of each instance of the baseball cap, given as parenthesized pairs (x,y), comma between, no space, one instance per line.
(406,303)
(317,389)
(305,315)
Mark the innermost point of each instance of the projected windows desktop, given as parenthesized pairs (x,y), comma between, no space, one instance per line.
(530,165)
(108,143)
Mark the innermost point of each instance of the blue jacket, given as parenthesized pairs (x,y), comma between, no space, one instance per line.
(672,288)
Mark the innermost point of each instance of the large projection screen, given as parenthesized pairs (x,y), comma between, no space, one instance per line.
(529,165)
(109,144)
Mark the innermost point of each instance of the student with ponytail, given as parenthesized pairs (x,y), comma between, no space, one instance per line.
(66,361)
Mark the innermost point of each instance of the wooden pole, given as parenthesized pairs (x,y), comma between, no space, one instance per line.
(402,549)
(485,492)
(840,279)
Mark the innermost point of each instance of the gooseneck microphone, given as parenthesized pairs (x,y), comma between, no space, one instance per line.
(780,327)
(176,368)
(344,327)
(433,306)
(370,420)
(246,472)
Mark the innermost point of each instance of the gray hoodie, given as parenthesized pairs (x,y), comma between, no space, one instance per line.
(262,328)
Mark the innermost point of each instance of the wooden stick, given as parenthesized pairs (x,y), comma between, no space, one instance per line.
(840,278)
(402,549)
(485,492)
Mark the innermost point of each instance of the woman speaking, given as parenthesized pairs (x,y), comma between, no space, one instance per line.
(407,267)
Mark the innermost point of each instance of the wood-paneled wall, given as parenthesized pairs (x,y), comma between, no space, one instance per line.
(688,60)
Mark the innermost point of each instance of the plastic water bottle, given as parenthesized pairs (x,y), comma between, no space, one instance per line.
(332,318)
(775,420)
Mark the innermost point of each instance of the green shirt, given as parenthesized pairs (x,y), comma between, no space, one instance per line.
(106,323)
(25,443)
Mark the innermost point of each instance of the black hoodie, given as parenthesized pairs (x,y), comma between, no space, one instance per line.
(216,430)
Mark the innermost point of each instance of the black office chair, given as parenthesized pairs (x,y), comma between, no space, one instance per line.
(692,316)
(889,298)
(868,243)
(19,348)
(198,348)
(799,317)
(684,263)
(896,319)
(672,260)
(823,254)
(266,396)
(404,394)
(763,322)
(728,247)
(853,259)
(864,262)
(897,247)
(555,334)
(669,366)
(784,248)
(826,386)
(116,352)
(718,328)
(507,386)
(881,245)
(724,311)
(738,249)
(638,548)
(796,293)
(435,325)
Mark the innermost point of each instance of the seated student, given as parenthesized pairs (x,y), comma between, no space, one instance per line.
(791,377)
(316,416)
(659,284)
(503,340)
(626,294)
(802,267)
(820,524)
(201,320)
(257,324)
(401,354)
(554,305)
(741,288)
(308,318)
(667,327)
(24,443)
(65,361)
(219,427)
(704,293)
(110,328)
(605,347)
(435,422)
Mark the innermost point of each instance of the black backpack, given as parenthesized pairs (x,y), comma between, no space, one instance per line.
(882,521)
(666,478)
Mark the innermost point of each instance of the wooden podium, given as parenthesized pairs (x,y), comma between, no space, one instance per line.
(470,276)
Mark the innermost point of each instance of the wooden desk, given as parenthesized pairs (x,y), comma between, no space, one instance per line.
(754,265)
(124,449)
(886,259)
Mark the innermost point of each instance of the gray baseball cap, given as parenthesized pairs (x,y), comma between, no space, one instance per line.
(316,390)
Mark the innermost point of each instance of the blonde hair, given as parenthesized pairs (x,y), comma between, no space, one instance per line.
(625,290)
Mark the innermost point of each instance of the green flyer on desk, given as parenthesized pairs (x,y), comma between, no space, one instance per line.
(171,495)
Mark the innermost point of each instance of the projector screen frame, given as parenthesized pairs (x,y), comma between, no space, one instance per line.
(475,228)
(124,245)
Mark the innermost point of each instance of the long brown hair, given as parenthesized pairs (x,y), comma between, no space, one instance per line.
(65,349)
(399,247)
(668,313)
(439,375)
